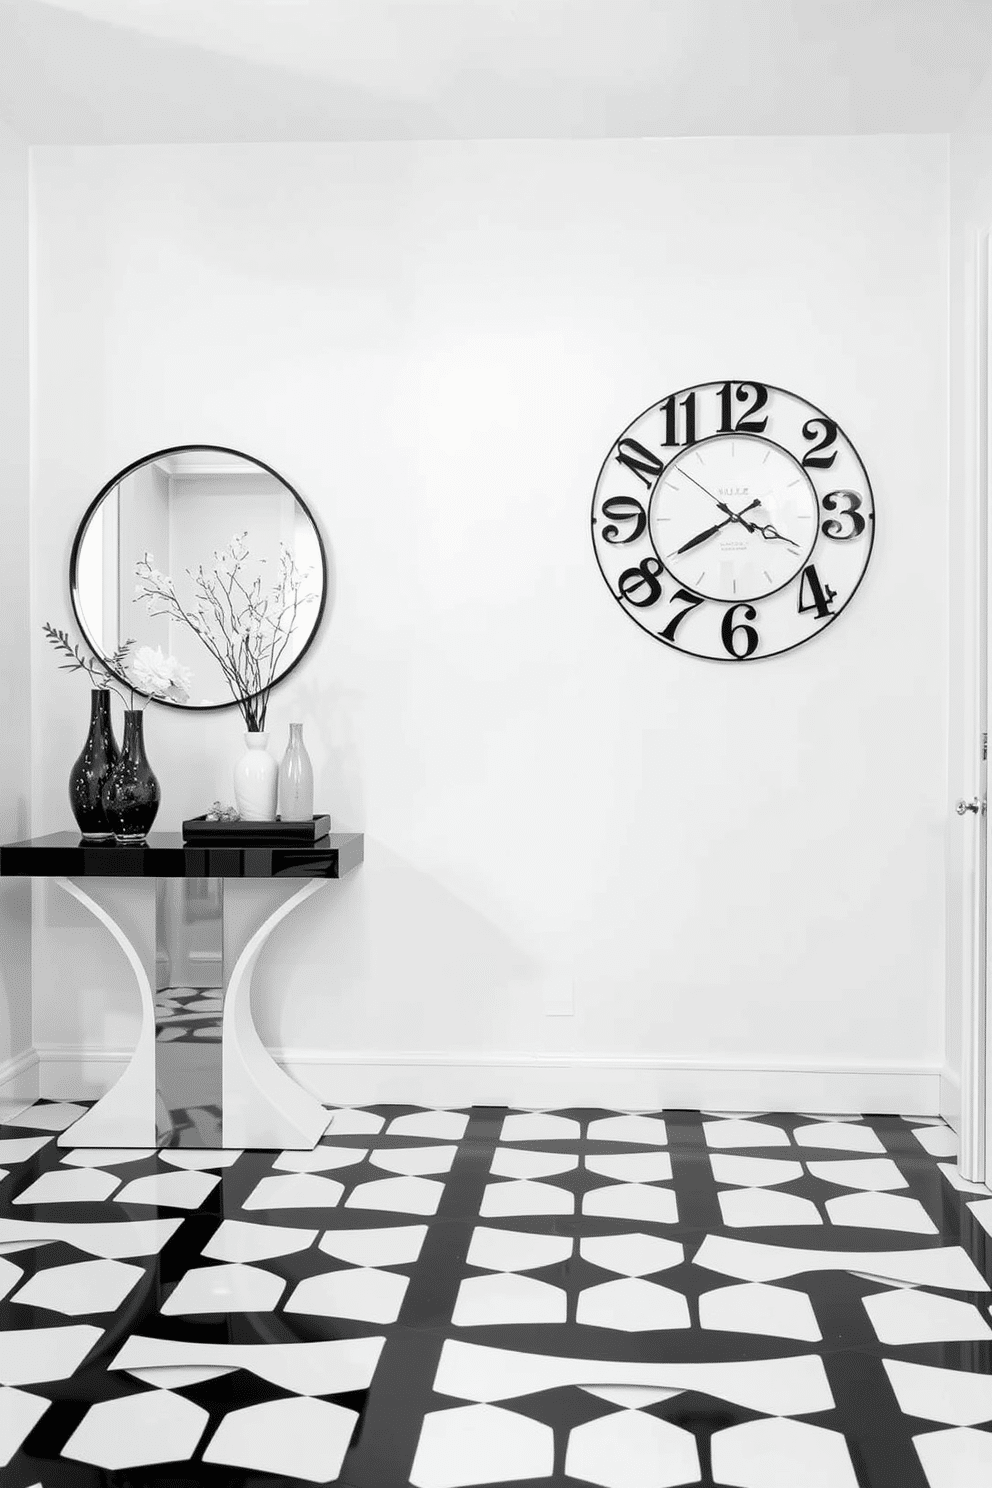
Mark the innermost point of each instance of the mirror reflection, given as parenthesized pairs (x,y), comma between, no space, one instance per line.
(209,556)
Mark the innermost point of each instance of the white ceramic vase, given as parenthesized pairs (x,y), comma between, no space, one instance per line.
(256,780)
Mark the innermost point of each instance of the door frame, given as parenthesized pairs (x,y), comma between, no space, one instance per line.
(981,1032)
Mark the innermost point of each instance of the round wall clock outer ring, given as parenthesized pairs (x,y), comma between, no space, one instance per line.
(817,412)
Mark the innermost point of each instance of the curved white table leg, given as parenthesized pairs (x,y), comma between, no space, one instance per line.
(125,1116)
(263,1106)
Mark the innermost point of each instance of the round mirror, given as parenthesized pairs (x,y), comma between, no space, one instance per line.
(207,556)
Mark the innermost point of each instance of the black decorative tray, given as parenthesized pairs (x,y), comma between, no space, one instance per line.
(199,829)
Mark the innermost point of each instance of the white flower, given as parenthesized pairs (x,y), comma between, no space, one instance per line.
(159,675)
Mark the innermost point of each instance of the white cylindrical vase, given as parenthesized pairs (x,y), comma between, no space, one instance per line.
(256,780)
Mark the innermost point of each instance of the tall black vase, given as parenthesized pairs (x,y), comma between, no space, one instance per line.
(131,793)
(89,774)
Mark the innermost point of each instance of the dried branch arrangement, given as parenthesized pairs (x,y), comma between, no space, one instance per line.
(245,627)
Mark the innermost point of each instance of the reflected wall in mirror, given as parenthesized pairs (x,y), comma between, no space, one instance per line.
(178,510)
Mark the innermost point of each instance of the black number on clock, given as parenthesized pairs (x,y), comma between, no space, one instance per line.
(623,509)
(730,630)
(835,526)
(638,458)
(814,459)
(640,586)
(668,634)
(746,423)
(813,596)
(671,411)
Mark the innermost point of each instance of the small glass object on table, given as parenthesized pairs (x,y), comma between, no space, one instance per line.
(296,779)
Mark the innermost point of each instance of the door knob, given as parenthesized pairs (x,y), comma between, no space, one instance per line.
(963,807)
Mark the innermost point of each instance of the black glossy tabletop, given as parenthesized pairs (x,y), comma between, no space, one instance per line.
(166,855)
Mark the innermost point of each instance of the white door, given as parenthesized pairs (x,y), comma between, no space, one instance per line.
(971,847)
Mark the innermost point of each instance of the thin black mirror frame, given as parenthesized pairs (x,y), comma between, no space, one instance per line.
(87,517)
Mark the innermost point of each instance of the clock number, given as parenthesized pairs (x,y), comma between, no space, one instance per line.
(813,459)
(746,423)
(730,631)
(834,526)
(668,634)
(638,458)
(639,586)
(671,409)
(813,596)
(623,509)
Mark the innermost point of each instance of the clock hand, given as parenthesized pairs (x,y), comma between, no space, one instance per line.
(702,536)
(769,532)
(751,504)
(722,505)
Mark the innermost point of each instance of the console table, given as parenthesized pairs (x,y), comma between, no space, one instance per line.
(200,1076)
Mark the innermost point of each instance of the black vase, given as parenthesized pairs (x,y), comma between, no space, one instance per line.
(89,774)
(131,793)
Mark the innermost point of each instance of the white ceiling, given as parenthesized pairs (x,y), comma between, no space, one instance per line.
(145,71)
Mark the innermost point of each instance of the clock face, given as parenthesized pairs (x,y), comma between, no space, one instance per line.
(733,520)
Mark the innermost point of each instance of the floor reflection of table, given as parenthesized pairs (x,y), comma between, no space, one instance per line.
(199,1076)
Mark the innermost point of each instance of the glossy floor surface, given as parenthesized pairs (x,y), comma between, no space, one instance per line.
(445,1298)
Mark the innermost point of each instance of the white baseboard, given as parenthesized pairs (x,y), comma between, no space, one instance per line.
(950,1098)
(548,1080)
(19,1079)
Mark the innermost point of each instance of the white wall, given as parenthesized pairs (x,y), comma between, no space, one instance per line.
(741,867)
(15,646)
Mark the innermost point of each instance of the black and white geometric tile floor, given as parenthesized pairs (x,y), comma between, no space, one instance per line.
(446,1298)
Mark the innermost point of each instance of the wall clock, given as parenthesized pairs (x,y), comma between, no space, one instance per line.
(733,520)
